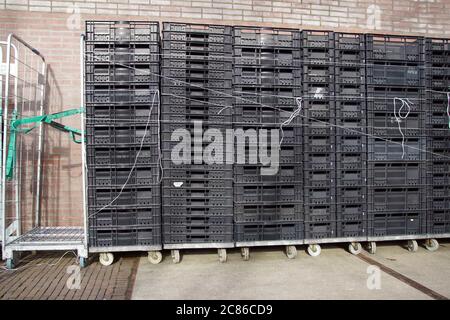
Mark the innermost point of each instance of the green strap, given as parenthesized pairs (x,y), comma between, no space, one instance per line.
(48,119)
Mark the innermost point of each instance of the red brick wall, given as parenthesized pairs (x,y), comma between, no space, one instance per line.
(47,26)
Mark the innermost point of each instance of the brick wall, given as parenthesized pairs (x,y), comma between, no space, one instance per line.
(54,28)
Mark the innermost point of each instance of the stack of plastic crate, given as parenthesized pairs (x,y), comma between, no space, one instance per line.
(122,111)
(438,125)
(267,79)
(351,136)
(319,132)
(196,93)
(397,142)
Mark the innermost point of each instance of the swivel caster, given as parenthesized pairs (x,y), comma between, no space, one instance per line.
(314,250)
(291,252)
(10,264)
(222,255)
(412,246)
(355,248)
(245,253)
(106,258)
(372,247)
(83,262)
(154,257)
(176,257)
(431,245)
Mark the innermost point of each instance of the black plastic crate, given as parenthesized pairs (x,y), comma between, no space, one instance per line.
(267,37)
(196,28)
(199,83)
(197,231)
(123,135)
(121,54)
(192,210)
(253,76)
(438,117)
(320,230)
(264,115)
(351,229)
(110,115)
(347,127)
(194,62)
(438,203)
(387,124)
(267,132)
(114,217)
(268,231)
(386,47)
(112,74)
(319,161)
(122,96)
(396,174)
(319,195)
(391,149)
(440,178)
(347,195)
(350,58)
(439,227)
(351,178)
(125,237)
(215,224)
(437,191)
(396,199)
(147,195)
(267,213)
(349,41)
(182,197)
(317,39)
(320,212)
(211,47)
(318,111)
(351,212)
(318,91)
(267,96)
(351,143)
(437,45)
(109,177)
(193,183)
(318,73)
(204,74)
(396,224)
(347,75)
(319,178)
(351,161)
(122,156)
(197,36)
(195,173)
(266,57)
(395,74)
(169,100)
(382,98)
(252,174)
(122,31)
(438,167)
(184,238)
(270,193)
(315,144)
(197,112)
(318,56)
(349,92)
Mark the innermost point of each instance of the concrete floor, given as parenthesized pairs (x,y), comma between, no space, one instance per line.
(335,274)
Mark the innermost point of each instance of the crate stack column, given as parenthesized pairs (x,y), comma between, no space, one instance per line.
(319,136)
(122,110)
(438,164)
(351,136)
(397,142)
(196,92)
(267,79)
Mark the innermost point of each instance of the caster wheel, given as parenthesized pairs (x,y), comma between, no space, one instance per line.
(412,246)
(245,253)
(176,257)
(372,247)
(431,245)
(155,257)
(291,252)
(314,250)
(83,262)
(355,248)
(106,258)
(10,264)
(222,255)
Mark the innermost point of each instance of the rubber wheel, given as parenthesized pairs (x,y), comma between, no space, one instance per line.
(10,264)
(314,250)
(245,253)
(83,262)
(412,246)
(372,247)
(431,245)
(222,255)
(154,257)
(176,257)
(291,252)
(106,258)
(355,248)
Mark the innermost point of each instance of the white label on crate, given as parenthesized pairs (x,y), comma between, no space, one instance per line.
(177,184)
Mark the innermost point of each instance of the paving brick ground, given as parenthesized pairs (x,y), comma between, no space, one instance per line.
(46,276)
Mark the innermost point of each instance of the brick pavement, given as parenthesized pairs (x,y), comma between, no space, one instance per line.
(45,276)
